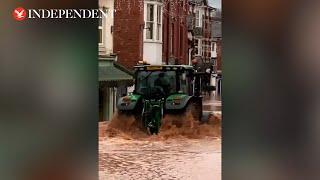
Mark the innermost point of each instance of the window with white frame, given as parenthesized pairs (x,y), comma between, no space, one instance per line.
(153,22)
(203,48)
(214,62)
(213,49)
(150,21)
(159,22)
(101,34)
(102,28)
(198,18)
(197,47)
(206,47)
(213,46)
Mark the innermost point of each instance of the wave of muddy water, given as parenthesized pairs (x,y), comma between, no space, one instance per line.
(172,126)
(188,150)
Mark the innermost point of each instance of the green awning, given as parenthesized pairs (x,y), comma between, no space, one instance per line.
(112,76)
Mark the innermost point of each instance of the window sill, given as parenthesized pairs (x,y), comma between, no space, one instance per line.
(152,41)
(102,49)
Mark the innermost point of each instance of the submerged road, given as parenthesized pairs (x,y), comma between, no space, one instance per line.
(153,159)
(158,158)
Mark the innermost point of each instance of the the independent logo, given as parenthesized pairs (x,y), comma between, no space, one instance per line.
(19,14)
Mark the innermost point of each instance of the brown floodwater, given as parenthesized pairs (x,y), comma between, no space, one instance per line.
(184,149)
(152,159)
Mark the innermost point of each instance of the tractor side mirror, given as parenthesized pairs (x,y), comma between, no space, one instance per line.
(184,77)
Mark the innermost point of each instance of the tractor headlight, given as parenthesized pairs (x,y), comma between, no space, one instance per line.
(126,101)
(177,101)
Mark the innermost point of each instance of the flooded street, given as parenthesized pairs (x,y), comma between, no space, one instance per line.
(189,152)
(178,158)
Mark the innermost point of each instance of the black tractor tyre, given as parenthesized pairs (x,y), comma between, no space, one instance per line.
(195,109)
(153,131)
(139,121)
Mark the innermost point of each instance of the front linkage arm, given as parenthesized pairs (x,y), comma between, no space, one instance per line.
(152,115)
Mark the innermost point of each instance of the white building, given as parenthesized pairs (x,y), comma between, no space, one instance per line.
(105,28)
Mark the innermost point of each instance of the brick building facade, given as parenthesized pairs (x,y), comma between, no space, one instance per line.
(218,67)
(201,44)
(154,31)
(175,41)
(128,32)
(217,40)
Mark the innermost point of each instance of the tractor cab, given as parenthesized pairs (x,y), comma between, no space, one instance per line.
(163,81)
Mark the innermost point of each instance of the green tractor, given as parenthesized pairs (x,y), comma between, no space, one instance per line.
(161,90)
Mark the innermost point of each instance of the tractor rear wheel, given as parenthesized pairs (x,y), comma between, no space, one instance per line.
(195,110)
(192,115)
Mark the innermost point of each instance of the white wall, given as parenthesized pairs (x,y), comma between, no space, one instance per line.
(152,53)
(107,46)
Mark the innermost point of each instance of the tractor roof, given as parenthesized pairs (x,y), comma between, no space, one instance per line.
(163,67)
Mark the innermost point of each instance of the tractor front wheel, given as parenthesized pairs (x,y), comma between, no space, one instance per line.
(153,130)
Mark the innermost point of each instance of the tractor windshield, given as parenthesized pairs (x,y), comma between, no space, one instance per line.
(156,83)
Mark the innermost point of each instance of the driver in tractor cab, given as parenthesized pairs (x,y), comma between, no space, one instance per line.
(163,82)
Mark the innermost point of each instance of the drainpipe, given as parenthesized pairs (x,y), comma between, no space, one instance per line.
(168,34)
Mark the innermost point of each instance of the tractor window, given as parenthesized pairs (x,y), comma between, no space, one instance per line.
(186,83)
(148,81)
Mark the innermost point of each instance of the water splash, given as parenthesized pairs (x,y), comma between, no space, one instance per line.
(173,126)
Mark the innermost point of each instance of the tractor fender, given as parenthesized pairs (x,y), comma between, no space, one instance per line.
(177,101)
(129,102)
